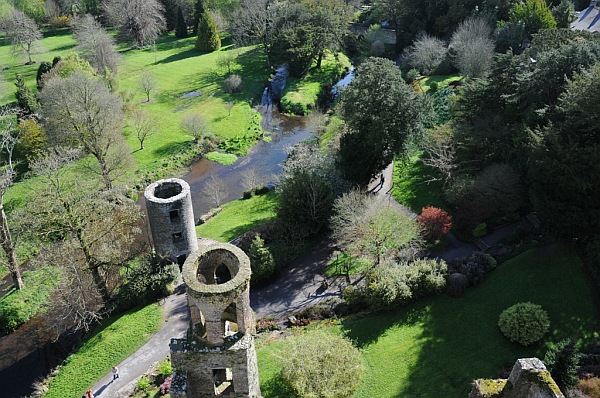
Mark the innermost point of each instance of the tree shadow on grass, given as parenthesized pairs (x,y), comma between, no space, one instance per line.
(238,230)
(276,387)
(173,148)
(179,56)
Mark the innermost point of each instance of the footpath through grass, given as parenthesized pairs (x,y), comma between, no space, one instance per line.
(113,341)
(442,343)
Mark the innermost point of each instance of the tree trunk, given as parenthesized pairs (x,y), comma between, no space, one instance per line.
(9,248)
(105,172)
(319,60)
(93,266)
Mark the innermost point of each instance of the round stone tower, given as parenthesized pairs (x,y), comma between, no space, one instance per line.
(171,219)
(218,358)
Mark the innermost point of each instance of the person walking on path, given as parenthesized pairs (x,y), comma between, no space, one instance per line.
(89,394)
(115,372)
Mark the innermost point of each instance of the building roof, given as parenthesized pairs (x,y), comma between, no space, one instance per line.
(588,19)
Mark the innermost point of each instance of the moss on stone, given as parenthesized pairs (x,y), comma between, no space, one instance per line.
(491,388)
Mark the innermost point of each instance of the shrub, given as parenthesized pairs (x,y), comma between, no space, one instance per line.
(321,364)
(62,21)
(165,387)
(394,284)
(354,296)
(412,75)
(474,266)
(233,84)
(435,222)
(32,138)
(590,387)
(480,230)
(562,360)
(261,260)
(524,323)
(165,368)
(208,36)
(433,87)
(266,325)
(143,383)
(456,284)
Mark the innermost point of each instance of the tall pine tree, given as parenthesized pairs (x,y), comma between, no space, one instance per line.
(198,11)
(181,26)
(208,36)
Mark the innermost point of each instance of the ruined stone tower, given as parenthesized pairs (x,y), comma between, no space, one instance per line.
(218,358)
(171,219)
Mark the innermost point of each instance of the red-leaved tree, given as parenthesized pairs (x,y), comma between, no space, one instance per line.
(435,222)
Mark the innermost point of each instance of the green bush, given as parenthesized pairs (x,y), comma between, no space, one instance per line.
(393,284)
(143,383)
(456,284)
(480,230)
(433,87)
(165,368)
(321,364)
(261,260)
(524,323)
(562,360)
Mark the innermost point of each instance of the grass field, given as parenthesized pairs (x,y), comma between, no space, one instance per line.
(111,342)
(413,185)
(239,216)
(441,80)
(442,343)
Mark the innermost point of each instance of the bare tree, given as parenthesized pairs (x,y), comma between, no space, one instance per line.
(194,125)
(22,32)
(226,59)
(101,226)
(250,179)
(148,83)
(143,124)
(426,53)
(139,20)
(472,47)
(95,45)
(8,140)
(80,110)
(216,190)
(252,23)
(440,152)
(52,9)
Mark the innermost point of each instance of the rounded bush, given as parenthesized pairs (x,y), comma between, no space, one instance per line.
(233,84)
(524,323)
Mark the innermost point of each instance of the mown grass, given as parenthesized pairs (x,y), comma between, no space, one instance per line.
(442,343)
(300,95)
(111,342)
(441,80)
(414,184)
(240,216)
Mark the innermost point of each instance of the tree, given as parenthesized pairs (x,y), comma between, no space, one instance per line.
(472,47)
(180,25)
(101,227)
(194,125)
(95,45)
(535,14)
(382,114)
(250,179)
(8,141)
(208,36)
(148,83)
(435,222)
(426,53)
(366,225)
(322,364)
(216,190)
(44,67)
(32,138)
(198,11)
(261,260)
(143,124)
(562,360)
(440,152)
(25,98)
(227,59)
(22,32)
(564,14)
(79,110)
(564,171)
(141,21)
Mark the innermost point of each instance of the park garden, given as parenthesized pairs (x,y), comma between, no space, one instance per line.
(482,131)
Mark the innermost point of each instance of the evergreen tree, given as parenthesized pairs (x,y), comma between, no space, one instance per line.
(25,98)
(261,260)
(180,27)
(208,36)
(198,11)
(170,14)
(562,360)
(45,66)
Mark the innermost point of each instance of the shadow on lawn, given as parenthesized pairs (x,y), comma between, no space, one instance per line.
(457,340)
(173,148)
(179,56)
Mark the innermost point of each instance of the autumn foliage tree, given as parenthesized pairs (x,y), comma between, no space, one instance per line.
(435,222)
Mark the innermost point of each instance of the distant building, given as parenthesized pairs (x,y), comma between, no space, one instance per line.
(588,19)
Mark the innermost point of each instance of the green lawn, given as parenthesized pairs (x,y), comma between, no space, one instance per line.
(239,216)
(442,343)
(413,185)
(441,80)
(111,342)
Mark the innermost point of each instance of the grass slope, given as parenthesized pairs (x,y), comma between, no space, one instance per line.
(442,344)
(112,342)
(239,216)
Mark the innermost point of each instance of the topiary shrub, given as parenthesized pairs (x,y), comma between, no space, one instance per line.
(433,87)
(456,284)
(524,323)
(322,364)
(233,84)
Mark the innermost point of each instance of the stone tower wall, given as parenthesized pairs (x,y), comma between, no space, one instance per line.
(171,219)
